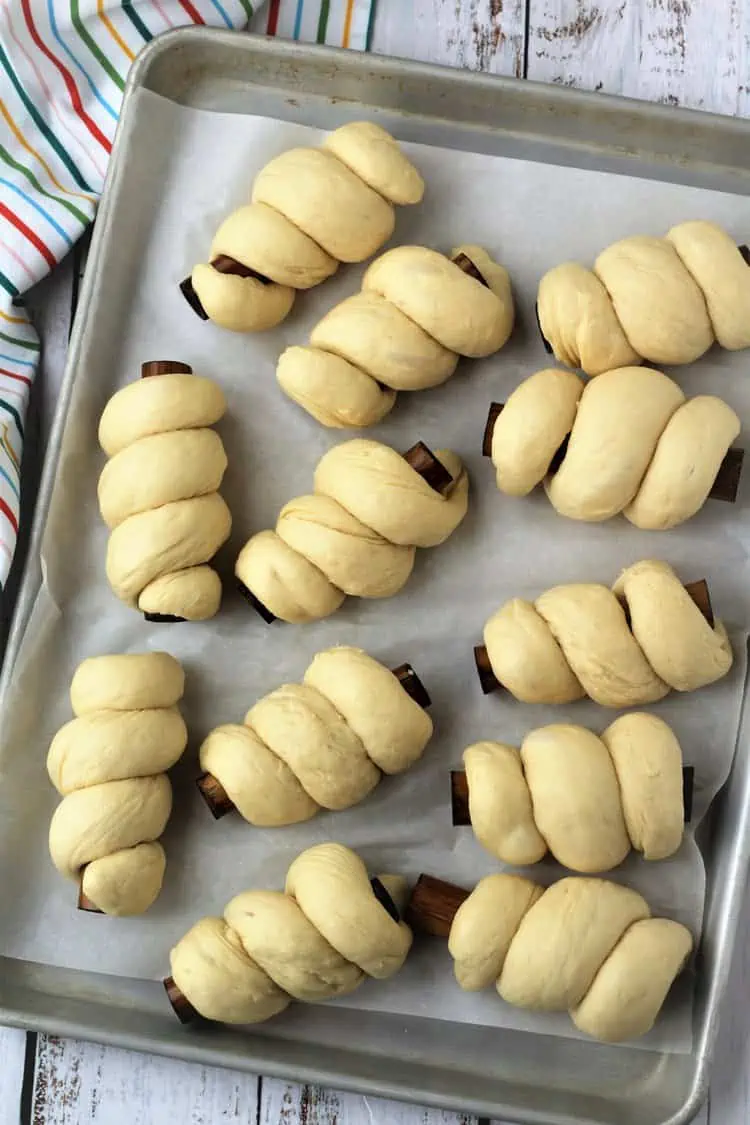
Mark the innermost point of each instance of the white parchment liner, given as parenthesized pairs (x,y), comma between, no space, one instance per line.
(531,216)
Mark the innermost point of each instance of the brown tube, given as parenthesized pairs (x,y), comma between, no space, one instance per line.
(256,603)
(698,591)
(164,367)
(725,486)
(216,796)
(465,264)
(181,1006)
(85,903)
(432,471)
(460,816)
(433,905)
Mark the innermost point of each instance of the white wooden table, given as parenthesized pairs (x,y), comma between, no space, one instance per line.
(682,52)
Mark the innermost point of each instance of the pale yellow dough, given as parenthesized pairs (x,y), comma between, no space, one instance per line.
(311,208)
(158,494)
(635,445)
(356,535)
(321,938)
(322,743)
(108,765)
(662,300)
(577,640)
(416,314)
(587,799)
(582,945)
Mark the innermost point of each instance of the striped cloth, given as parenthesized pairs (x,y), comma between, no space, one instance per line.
(63,65)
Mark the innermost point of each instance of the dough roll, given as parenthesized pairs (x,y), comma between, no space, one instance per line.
(311,208)
(158,493)
(357,533)
(586,799)
(108,764)
(418,311)
(662,300)
(583,945)
(324,743)
(322,937)
(628,442)
(622,647)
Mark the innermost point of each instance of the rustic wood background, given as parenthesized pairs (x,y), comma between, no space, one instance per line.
(681,52)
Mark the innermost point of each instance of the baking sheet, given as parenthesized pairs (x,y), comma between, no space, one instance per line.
(531,216)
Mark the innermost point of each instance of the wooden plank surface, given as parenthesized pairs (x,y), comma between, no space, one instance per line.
(688,52)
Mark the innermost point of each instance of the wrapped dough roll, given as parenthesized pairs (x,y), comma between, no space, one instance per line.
(586,799)
(322,743)
(108,763)
(158,493)
(578,640)
(357,534)
(330,930)
(417,313)
(311,208)
(629,441)
(585,946)
(662,300)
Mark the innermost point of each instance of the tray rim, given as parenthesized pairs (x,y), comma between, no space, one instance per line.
(43,1015)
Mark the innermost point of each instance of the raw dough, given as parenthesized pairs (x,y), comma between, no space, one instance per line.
(635,445)
(158,494)
(586,799)
(356,535)
(311,209)
(577,640)
(416,314)
(108,765)
(322,743)
(318,940)
(583,945)
(662,300)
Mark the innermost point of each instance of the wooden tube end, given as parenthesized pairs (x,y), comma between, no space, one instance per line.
(412,685)
(545,341)
(223,263)
(460,815)
(465,264)
(385,900)
(493,414)
(164,367)
(85,903)
(181,1006)
(162,618)
(487,678)
(727,482)
(432,471)
(700,594)
(257,605)
(192,298)
(745,252)
(215,795)
(688,783)
(433,905)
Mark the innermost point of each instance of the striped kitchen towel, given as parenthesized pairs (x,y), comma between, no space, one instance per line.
(63,65)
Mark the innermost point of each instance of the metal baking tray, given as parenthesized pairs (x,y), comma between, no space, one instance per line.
(493,1073)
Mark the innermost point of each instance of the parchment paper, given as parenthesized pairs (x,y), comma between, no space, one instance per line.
(190,169)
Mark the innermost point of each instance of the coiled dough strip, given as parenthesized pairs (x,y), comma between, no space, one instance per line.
(634,445)
(577,640)
(587,799)
(322,743)
(583,945)
(356,534)
(158,493)
(108,763)
(321,938)
(311,208)
(662,300)
(417,313)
